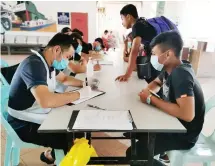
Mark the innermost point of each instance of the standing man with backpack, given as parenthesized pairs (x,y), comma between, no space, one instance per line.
(143,31)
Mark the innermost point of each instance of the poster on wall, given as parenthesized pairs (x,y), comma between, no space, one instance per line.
(63,18)
(24,16)
(80,21)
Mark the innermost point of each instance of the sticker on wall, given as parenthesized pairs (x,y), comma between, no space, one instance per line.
(63,18)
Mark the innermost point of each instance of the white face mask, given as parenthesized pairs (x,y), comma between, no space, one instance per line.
(155,63)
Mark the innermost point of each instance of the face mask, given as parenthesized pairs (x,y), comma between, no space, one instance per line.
(98,48)
(129,44)
(155,63)
(79,49)
(60,65)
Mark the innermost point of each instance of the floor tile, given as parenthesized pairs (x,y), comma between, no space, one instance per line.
(32,158)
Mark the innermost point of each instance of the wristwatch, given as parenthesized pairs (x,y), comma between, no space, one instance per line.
(148,100)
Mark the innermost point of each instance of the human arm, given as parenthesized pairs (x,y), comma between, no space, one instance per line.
(184,108)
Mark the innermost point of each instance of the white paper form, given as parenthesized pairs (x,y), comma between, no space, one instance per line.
(103,120)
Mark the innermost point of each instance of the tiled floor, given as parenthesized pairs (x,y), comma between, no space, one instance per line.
(206,76)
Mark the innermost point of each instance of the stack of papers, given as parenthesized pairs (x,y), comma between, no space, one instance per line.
(103,120)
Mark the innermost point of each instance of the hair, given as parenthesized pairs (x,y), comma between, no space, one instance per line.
(129,9)
(169,40)
(65,30)
(62,40)
(78,31)
(76,36)
(106,31)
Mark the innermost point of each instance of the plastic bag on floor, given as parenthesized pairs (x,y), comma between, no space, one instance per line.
(80,154)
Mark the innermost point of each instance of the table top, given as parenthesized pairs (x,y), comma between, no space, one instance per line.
(119,96)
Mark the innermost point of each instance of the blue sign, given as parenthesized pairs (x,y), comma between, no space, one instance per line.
(63,18)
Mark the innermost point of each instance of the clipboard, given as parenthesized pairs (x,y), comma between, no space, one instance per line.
(84,100)
(75,114)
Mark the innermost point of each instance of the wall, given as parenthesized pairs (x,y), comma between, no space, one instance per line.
(51,8)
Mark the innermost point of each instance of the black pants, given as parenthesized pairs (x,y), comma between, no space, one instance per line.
(163,142)
(29,134)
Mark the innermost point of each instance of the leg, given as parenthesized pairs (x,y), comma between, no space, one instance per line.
(163,142)
(56,141)
(151,147)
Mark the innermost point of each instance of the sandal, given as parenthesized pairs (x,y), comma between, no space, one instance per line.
(44,159)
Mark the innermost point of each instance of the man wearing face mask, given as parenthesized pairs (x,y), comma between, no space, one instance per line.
(75,66)
(32,95)
(98,45)
(182,96)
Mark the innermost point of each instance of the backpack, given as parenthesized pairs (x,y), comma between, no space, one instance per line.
(144,67)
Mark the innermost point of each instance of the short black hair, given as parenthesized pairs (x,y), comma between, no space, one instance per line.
(74,37)
(65,30)
(63,40)
(106,31)
(129,9)
(78,31)
(169,40)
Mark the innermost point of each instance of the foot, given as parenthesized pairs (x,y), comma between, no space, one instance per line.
(164,159)
(46,157)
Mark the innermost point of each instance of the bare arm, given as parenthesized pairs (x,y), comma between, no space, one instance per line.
(69,80)
(77,68)
(48,99)
(133,55)
(183,109)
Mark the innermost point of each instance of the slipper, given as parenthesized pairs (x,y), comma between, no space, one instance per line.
(44,159)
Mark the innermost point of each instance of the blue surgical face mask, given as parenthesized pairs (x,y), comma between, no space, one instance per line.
(60,65)
(129,44)
(98,48)
(79,49)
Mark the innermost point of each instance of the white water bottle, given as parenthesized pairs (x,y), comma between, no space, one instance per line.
(90,70)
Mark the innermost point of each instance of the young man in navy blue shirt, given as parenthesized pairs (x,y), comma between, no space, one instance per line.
(32,95)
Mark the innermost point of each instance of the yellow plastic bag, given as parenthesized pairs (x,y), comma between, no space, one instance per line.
(80,154)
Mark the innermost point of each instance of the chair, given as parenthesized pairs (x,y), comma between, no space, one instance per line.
(202,152)
(13,142)
(3,63)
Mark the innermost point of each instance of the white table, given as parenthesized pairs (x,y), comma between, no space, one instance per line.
(119,96)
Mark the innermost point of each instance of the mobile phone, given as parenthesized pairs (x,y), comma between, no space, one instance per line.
(154,94)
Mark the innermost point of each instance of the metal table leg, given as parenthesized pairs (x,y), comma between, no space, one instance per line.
(151,146)
(8,50)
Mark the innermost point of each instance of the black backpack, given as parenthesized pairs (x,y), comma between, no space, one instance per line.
(144,68)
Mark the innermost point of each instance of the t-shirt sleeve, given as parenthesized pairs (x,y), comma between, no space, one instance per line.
(182,83)
(34,73)
(138,30)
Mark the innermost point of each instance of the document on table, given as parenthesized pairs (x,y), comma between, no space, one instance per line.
(105,62)
(103,120)
(72,88)
(94,93)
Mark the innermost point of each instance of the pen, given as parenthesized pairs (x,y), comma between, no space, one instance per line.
(93,106)
(86,81)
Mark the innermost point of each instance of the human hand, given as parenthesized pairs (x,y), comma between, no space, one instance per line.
(85,92)
(123,78)
(144,94)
